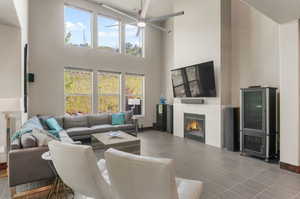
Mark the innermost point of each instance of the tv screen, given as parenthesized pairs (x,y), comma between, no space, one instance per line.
(178,83)
(194,81)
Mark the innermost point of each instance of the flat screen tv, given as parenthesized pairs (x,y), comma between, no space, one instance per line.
(194,81)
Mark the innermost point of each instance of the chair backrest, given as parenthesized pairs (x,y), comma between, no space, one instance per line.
(139,177)
(77,167)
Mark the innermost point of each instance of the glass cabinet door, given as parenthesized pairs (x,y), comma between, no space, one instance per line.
(254,102)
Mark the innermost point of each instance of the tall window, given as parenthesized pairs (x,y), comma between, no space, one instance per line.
(134,93)
(78,27)
(109,92)
(133,42)
(108,33)
(78,91)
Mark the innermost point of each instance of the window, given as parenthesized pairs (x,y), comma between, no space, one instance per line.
(109,92)
(78,27)
(108,33)
(133,42)
(78,91)
(134,93)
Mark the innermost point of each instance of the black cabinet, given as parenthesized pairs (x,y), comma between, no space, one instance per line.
(164,117)
(161,117)
(258,122)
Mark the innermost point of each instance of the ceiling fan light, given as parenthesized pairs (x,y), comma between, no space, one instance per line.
(141,24)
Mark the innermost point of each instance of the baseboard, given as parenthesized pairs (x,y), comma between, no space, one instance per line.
(289,167)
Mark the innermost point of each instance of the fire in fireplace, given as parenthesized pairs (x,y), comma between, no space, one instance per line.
(194,126)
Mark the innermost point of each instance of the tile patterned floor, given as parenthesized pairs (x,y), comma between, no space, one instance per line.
(226,175)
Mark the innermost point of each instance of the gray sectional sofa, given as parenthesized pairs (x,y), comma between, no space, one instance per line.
(25,163)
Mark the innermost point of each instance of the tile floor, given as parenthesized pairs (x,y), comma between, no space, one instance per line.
(226,175)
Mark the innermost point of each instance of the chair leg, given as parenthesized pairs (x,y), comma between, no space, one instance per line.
(13,191)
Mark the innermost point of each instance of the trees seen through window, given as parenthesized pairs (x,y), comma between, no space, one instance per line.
(78,91)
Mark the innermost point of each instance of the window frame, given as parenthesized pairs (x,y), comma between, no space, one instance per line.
(94,31)
(142,40)
(120,32)
(142,96)
(92,26)
(112,94)
(77,94)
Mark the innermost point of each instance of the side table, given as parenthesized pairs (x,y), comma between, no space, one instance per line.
(59,186)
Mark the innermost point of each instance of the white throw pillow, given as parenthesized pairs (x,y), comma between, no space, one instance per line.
(42,137)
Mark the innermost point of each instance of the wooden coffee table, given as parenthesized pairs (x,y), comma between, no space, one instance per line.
(124,142)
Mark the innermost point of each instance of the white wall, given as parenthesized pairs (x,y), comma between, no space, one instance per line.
(197,36)
(12,38)
(10,56)
(168,62)
(10,72)
(245,54)
(289,94)
(49,56)
(255,49)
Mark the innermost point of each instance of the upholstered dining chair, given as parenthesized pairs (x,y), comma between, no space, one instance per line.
(78,168)
(140,177)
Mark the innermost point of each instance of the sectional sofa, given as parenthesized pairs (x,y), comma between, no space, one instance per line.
(25,162)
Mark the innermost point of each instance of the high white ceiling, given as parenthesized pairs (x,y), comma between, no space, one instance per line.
(8,13)
(157,7)
(281,11)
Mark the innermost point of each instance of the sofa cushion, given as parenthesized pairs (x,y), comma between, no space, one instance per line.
(79,131)
(28,141)
(75,121)
(107,128)
(99,119)
(102,128)
(124,127)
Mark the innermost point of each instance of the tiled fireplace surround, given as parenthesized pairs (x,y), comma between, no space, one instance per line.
(212,113)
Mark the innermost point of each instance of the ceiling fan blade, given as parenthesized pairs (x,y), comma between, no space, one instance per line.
(158,27)
(111,26)
(145,8)
(122,24)
(162,18)
(138,31)
(117,11)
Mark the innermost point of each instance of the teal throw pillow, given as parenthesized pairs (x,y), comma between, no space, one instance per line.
(54,133)
(53,124)
(118,118)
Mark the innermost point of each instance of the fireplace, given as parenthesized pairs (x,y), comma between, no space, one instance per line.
(194,126)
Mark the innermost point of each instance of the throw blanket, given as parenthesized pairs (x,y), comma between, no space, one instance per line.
(33,123)
(19,133)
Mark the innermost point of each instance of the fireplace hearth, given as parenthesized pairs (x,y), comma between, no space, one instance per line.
(194,127)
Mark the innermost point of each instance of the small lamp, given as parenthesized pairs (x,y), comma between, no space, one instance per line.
(8,106)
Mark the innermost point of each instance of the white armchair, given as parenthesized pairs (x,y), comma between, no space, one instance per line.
(78,168)
(139,177)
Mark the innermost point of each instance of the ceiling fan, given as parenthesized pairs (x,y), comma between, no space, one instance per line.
(140,18)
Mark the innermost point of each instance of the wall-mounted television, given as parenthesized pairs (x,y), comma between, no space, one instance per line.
(194,81)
